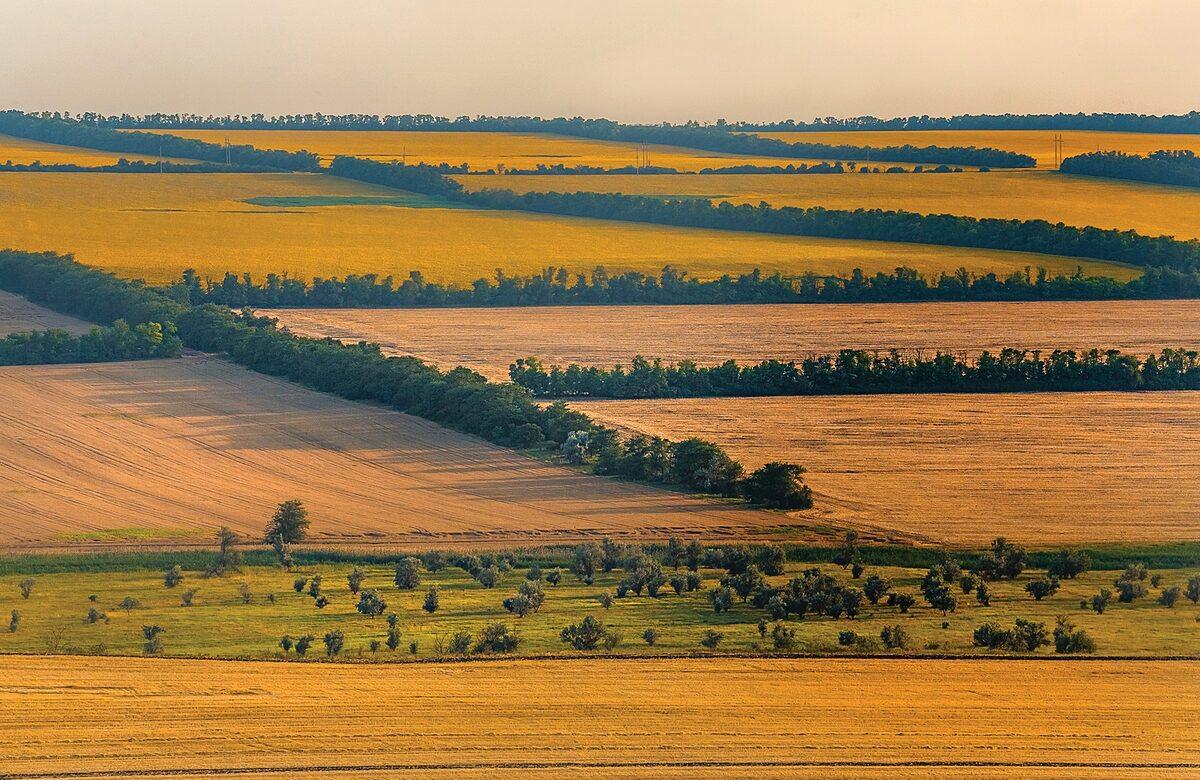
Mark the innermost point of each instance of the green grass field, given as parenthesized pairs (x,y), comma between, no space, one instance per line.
(219,624)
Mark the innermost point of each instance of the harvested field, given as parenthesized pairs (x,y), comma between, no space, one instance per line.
(1045,468)
(489,340)
(18,314)
(158,451)
(22,151)
(308,225)
(95,717)
(1038,144)
(482,151)
(1074,200)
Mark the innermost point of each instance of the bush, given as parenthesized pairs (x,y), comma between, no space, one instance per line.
(650,636)
(153,639)
(678,584)
(585,561)
(412,648)
(1193,589)
(1169,596)
(1005,561)
(370,604)
(129,604)
(528,600)
(393,632)
(585,635)
(778,485)
(905,602)
(554,576)
(1069,564)
(782,637)
(968,583)
(847,638)
(875,588)
(408,573)
(314,586)
(983,594)
(991,636)
(460,643)
(299,583)
(14,622)
(711,638)
(693,582)
(1068,639)
(432,600)
(488,576)
(894,637)
(303,643)
(434,561)
(95,616)
(244,592)
(721,598)
(1042,587)
(374,646)
(1029,636)
(173,576)
(1155,580)
(187,597)
(26,587)
(534,573)
(354,580)
(1130,590)
(286,643)
(856,570)
(1100,600)
(497,638)
(321,601)
(334,641)
(227,558)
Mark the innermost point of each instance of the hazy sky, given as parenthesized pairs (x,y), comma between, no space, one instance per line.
(636,61)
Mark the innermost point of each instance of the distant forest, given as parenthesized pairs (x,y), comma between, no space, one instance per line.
(1129,123)
(1178,167)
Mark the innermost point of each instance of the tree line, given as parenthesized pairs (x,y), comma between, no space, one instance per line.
(59,129)
(459,399)
(860,371)
(1037,235)
(131,166)
(1112,122)
(556,286)
(693,135)
(117,342)
(1180,167)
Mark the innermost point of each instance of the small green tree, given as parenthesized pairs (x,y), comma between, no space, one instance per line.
(905,602)
(460,643)
(187,597)
(721,598)
(129,604)
(370,604)
(314,586)
(554,576)
(1100,601)
(286,643)
(334,641)
(778,485)
(14,622)
(1069,564)
(320,602)
(303,643)
(586,560)
(968,583)
(1169,596)
(153,639)
(711,638)
(354,580)
(782,637)
(393,632)
(244,592)
(1068,639)
(650,636)
(288,526)
(95,616)
(497,638)
(605,599)
(585,635)
(894,637)
(299,584)
(983,594)
(1042,587)
(528,600)
(26,587)
(228,559)
(432,600)
(488,576)
(173,576)
(534,573)
(408,573)
(1193,589)
(875,588)
(374,645)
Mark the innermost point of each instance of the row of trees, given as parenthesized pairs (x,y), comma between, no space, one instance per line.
(460,399)
(118,342)
(1112,122)
(559,287)
(692,135)
(60,129)
(860,371)
(131,166)
(1178,167)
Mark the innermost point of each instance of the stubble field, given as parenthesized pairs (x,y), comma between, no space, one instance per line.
(1048,468)
(23,151)
(680,717)
(1073,200)
(163,452)
(489,340)
(18,314)
(155,226)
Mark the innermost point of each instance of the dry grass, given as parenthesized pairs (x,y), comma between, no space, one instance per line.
(151,451)
(481,151)
(1046,468)
(689,717)
(1049,195)
(18,314)
(1035,143)
(23,151)
(488,340)
(153,227)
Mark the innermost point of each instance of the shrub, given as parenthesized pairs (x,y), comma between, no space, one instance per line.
(968,583)
(1028,636)
(991,636)
(762,628)
(745,583)
(227,558)
(370,604)
(534,573)
(937,593)
(721,598)
(187,597)
(497,638)
(95,616)
(1005,561)
(432,600)
(605,599)
(26,587)
(875,588)
(778,485)
(856,570)
(1193,589)
(374,646)
(1042,587)
(153,639)
(905,602)
(711,638)
(1100,600)
(585,635)
(354,580)
(1169,596)
(408,574)
(321,601)
(586,559)
(286,643)
(334,641)
(554,576)
(678,584)
(488,576)
(286,527)
(1134,572)
(244,591)
(847,638)
(129,603)
(173,576)
(983,594)
(1068,639)
(314,586)
(14,622)
(528,600)
(412,647)
(894,637)
(1129,590)
(460,643)
(1069,564)
(298,584)
(782,637)
(650,636)
(303,643)
(693,582)
(1155,580)
(393,632)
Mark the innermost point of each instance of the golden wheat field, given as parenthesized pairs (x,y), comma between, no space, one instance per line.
(481,151)
(1073,200)
(1038,144)
(22,151)
(18,314)
(155,226)
(166,451)
(726,717)
(1046,468)
(489,340)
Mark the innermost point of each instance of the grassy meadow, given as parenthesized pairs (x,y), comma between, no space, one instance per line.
(1073,200)
(219,624)
(155,226)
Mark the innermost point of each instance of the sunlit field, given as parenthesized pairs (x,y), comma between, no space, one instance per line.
(154,226)
(1073,200)
(1038,144)
(22,151)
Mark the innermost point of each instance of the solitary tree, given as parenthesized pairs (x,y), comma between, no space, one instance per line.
(370,604)
(26,587)
(585,635)
(408,573)
(129,603)
(303,643)
(355,580)
(875,588)
(227,558)
(650,636)
(334,641)
(431,600)
(286,644)
(173,577)
(393,632)
(153,640)
(289,523)
(14,622)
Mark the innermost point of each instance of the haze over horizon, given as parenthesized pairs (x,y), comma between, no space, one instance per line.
(673,61)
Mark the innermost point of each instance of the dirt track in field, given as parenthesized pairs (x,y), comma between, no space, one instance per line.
(721,717)
(1039,468)
(166,451)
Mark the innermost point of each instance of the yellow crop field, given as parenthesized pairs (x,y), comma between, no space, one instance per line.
(648,718)
(1046,468)
(18,314)
(1038,144)
(22,151)
(1073,200)
(481,151)
(155,226)
(166,451)
(488,340)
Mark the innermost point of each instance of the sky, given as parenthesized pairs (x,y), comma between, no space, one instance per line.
(654,60)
